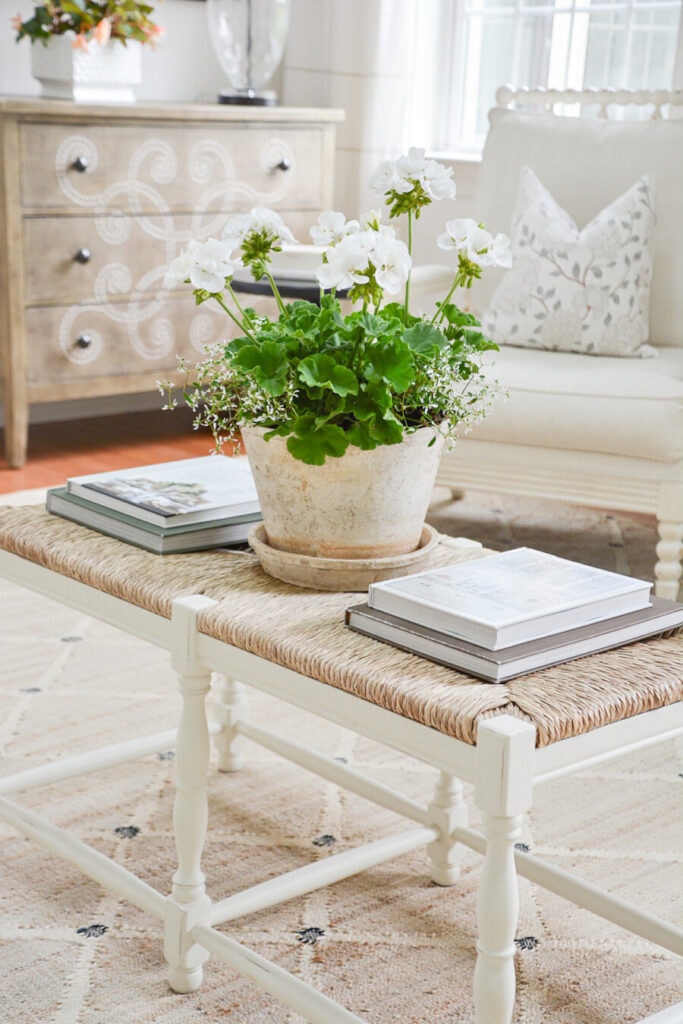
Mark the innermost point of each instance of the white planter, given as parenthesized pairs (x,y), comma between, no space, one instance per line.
(362,505)
(103,74)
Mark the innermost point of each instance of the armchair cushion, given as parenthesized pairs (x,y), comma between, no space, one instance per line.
(585,163)
(576,290)
(568,401)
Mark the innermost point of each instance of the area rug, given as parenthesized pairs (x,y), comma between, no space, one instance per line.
(388,944)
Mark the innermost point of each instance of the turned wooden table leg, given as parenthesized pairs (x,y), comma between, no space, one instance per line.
(668,566)
(448,812)
(503,793)
(188,905)
(232,708)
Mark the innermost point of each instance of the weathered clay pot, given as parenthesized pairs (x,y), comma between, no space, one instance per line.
(362,505)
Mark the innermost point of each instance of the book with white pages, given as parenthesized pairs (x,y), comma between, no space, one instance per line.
(661,616)
(509,597)
(168,494)
(161,540)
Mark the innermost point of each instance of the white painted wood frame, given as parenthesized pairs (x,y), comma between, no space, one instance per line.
(503,767)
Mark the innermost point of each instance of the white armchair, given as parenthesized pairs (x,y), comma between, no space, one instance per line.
(598,430)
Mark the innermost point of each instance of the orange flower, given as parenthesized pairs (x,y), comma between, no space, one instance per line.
(80,42)
(16,22)
(153,34)
(102,31)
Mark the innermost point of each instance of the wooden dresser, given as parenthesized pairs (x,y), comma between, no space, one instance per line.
(95,202)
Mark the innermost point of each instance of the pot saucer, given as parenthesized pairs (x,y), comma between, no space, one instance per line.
(342,574)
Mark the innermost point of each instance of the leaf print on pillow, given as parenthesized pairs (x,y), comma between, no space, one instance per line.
(577,290)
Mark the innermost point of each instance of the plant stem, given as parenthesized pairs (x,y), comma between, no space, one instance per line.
(457,280)
(276,293)
(410,253)
(242,324)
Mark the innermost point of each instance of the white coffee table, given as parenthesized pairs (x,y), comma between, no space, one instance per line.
(217,612)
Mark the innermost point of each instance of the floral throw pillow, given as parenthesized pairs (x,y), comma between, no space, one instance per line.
(576,291)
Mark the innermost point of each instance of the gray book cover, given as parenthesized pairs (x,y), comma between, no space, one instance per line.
(498,666)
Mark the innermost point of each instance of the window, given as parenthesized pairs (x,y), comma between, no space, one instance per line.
(555,43)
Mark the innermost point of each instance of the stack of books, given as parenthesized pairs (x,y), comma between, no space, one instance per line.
(508,614)
(167,508)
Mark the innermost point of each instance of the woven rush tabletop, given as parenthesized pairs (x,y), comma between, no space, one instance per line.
(304,630)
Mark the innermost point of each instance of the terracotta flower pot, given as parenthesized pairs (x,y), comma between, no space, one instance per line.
(362,505)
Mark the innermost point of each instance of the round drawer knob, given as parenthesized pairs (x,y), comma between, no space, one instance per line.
(83,341)
(283,165)
(80,164)
(82,256)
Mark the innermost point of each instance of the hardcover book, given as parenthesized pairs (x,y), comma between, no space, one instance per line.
(499,666)
(212,487)
(161,540)
(510,597)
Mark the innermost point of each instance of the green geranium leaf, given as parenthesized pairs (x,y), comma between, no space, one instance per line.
(456,316)
(375,429)
(361,437)
(424,338)
(322,371)
(313,445)
(393,363)
(266,362)
(374,400)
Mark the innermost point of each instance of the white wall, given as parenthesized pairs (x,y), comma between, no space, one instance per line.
(358,55)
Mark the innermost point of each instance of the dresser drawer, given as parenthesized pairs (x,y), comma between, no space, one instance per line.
(83,259)
(121,339)
(158,168)
(101,259)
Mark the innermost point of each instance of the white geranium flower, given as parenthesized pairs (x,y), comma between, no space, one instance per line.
(476,243)
(437,180)
(347,262)
(412,164)
(207,265)
(332,226)
(392,263)
(388,179)
(258,220)
(235,230)
(372,221)
(179,270)
(498,253)
(401,175)
(462,234)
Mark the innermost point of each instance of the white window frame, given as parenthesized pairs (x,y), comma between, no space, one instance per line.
(447,125)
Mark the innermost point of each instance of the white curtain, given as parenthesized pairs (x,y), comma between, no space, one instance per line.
(358,55)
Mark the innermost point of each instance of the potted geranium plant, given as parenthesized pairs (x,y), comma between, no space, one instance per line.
(90,48)
(337,394)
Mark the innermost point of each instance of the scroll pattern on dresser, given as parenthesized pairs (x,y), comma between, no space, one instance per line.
(133,217)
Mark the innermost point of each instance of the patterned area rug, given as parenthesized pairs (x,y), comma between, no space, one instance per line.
(388,944)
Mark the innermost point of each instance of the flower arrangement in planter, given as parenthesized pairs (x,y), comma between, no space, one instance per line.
(323,384)
(325,379)
(91,50)
(85,20)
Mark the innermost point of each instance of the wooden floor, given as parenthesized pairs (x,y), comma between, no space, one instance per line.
(74,447)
